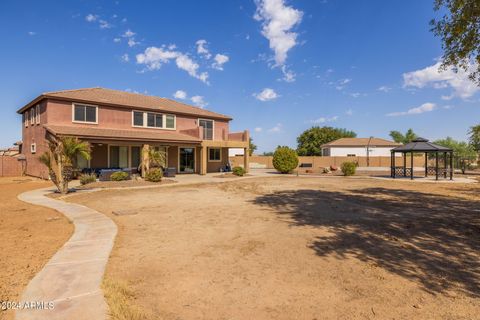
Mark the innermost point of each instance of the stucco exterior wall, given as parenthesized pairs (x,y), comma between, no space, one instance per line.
(358,151)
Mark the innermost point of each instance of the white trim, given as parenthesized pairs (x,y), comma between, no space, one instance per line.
(164,120)
(32,116)
(25,118)
(86,105)
(33,148)
(37,119)
(213,127)
(208,151)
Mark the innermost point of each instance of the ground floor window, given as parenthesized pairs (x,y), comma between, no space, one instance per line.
(214,154)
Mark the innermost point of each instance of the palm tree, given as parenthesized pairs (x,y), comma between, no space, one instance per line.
(152,158)
(61,157)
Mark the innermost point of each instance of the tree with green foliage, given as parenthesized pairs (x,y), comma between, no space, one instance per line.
(267,154)
(463,152)
(310,141)
(459,29)
(252,147)
(285,159)
(61,157)
(399,137)
(474,137)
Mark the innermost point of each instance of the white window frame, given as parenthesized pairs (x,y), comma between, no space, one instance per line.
(213,127)
(164,120)
(86,105)
(33,148)
(32,116)
(26,114)
(209,159)
(37,114)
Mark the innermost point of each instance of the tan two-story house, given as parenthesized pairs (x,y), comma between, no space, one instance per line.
(119,124)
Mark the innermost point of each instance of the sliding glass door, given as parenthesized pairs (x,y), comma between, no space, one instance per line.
(187,160)
(118,157)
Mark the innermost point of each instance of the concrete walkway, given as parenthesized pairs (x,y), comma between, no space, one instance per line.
(73,276)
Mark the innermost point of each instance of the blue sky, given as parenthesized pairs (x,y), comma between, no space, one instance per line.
(278,67)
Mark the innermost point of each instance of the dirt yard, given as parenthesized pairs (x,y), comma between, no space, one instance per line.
(298,248)
(29,236)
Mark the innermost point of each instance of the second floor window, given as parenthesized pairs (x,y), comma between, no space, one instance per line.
(207,126)
(84,113)
(153,120)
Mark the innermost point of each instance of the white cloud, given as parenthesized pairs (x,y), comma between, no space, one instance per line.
(267,94)
(130,35)
(384,89)
(104,24)
(185,63)
(131,42)
(220,60)
(426,107)
(125,58)
(117,40)
(258,129)
(324,119)
(199,101)
(462,86)
(180,94)
(202,49)
(349,112)
(288,75)
(91,17)
(276,128)
(277,22)
(342,83)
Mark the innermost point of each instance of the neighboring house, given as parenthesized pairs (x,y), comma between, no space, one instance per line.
(359,147)
(118,124)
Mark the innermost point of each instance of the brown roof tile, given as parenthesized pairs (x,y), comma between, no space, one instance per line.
(116,134)
(125,99)
(361,142)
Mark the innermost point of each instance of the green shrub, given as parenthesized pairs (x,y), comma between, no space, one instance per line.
(119,176)
(239,171)
(154,175)
(349,168)
(87,178)
(285,159)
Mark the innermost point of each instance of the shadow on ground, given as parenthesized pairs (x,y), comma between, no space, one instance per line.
(431,239)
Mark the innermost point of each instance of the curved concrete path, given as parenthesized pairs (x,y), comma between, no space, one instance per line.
(72,277)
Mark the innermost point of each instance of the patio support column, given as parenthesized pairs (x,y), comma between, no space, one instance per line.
(246,159)
(451,165)
(445,165)
(436,165)
(411,165)
(404,164)
(203,160)
(392,164)
(426,164)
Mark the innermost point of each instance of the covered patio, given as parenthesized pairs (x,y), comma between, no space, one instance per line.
(421,145)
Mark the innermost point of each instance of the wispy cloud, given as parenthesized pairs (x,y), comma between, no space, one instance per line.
(277,128)
(202,49)
(384,89)
(426,107)
(258,129)
(91,17)
(267,94)
(324,120)
(180,94)
(130,36)
(342,83)
(433,76)
(125,57)
(199,101)
(220,60)
(31,33)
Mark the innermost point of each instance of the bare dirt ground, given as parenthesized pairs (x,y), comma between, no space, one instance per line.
(298,248)
(29,236)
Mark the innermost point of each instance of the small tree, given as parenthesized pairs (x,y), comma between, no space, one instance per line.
(252,147)
(151,158)
(348,168)
(61,157)
(399,137)
(285,159)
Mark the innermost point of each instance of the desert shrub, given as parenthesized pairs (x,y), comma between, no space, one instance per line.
(87,178)
(239,171)
(285,159)
(349,168)
(119,176)
(154,175)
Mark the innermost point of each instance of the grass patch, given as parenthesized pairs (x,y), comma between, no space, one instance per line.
(119,297)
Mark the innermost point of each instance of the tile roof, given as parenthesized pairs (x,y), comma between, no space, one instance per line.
(361,142)
(116,134)
(125,99)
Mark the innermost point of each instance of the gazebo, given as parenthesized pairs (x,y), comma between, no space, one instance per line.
(420,145)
